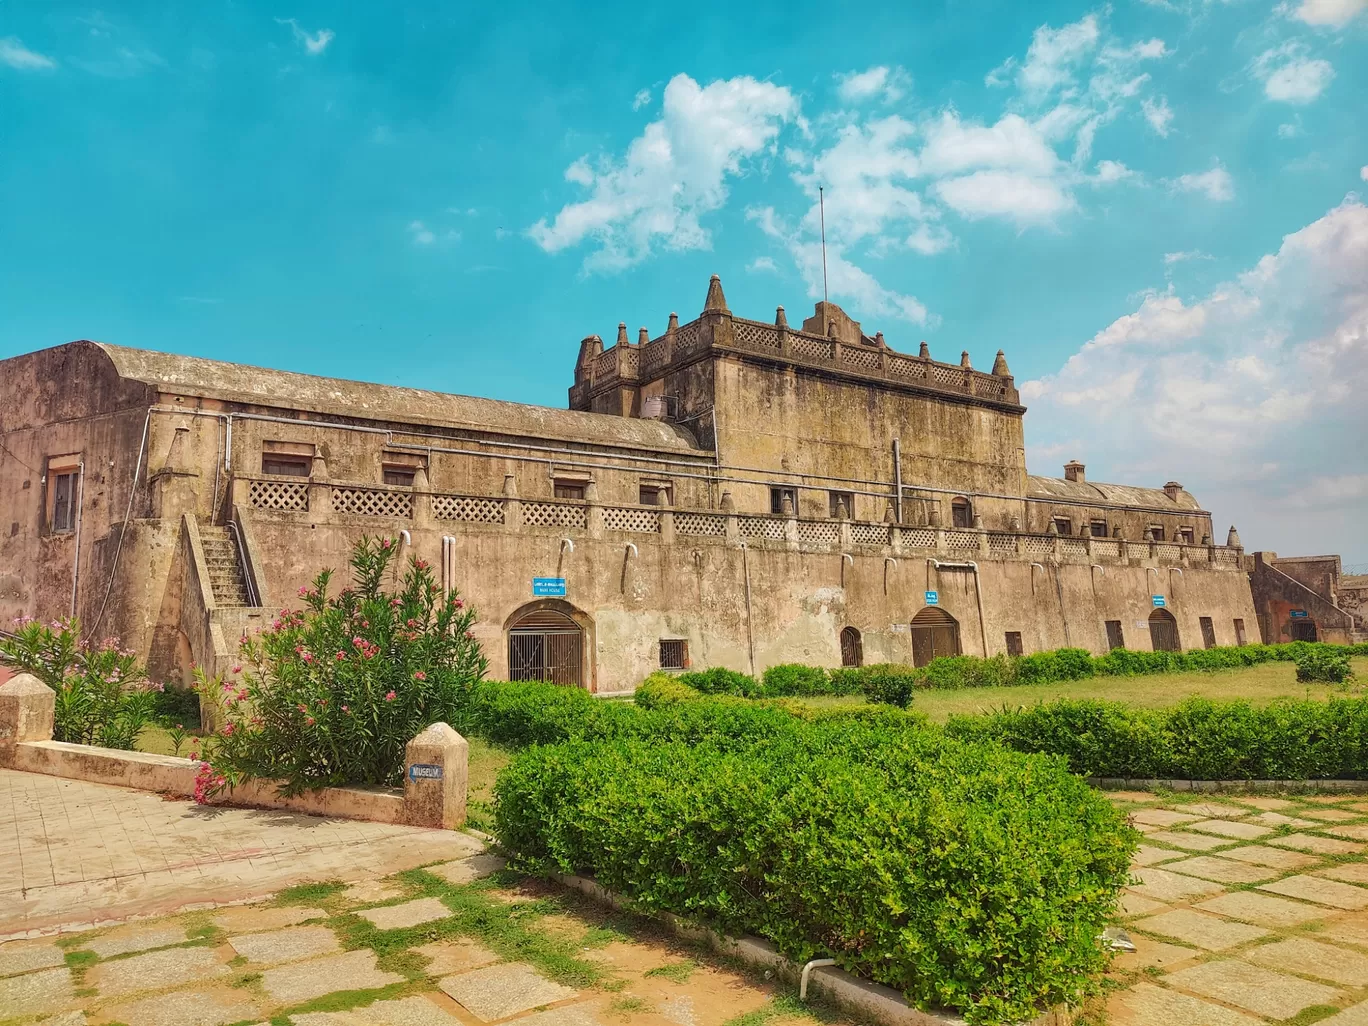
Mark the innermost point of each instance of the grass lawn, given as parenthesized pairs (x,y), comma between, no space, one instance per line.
(1259,684)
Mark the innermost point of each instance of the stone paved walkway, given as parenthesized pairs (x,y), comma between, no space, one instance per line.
(74,853)
(1245,910)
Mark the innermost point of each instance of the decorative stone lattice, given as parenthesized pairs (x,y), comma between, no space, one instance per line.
(284,495)
(869,534)
(762,527)
(654,355)
(1105,547)
(1167,551)
(554,514)
(474,509)
(372,502)
(818,532)
(1073,546)
(919,538)
(952,376)
(754,335)
(810,348)
(700,524)
(903,367)
(1227,555)
(1037,546)
(1002,544)
(859,356)
(617,518)
(689,337)
(961,540)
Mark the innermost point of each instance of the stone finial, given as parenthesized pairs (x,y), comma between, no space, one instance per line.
(879,340)
(978,521)
(1116,532)
(420,480)
(716,301)
(1206,539)
(1052,530)
(841,512)
(1000,365)
(780,319)
(643,336)
(1173,489)
(318,468)
(964,359)
(622,333)
(673,326)
(510,488)
(1149,534)
(786,508)
(590,347)
(1016,523)
(175,461)
(1075,471)
(727,503)
(1233,538)
(890,516)
(925,351)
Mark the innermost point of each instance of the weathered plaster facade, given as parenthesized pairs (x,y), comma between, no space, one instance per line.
(746,488)
(1305,598)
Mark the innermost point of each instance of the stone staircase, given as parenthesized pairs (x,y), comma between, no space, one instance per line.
(225,568)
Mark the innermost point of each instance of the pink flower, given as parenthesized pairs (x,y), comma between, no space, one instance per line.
(238,669)
(345,709)
(309,721)
(302,707)
(359,641)
(303,591)
(227,729)
(420,564)
(419,675)
(385,543)
(389,696)
(341,656)
(458,603)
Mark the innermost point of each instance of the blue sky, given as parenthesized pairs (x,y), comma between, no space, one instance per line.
(1153,207)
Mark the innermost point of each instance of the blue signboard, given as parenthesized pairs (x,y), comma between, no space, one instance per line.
(933,598)
(425,771)
(549,587)
(1158,601)
(1299,614)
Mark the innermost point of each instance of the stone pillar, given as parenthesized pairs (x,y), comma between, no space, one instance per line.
(320,492)
(594,513)
(847,538)
(512,506)
(982,535)
(733,526)
(435,776)
(26,710)
(422,499)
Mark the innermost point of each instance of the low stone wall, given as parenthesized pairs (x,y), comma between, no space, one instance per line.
(1205,786)
(434,793)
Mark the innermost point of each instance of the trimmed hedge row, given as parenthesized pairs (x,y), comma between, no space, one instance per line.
(1196,740)
(962,874)
(783,680)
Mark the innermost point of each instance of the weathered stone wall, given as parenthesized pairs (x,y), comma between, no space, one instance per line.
(1277,594)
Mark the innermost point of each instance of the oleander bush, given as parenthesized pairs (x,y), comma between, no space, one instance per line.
(103,696)
(962,874)
(334,691)
(1198,739)
(1324,666)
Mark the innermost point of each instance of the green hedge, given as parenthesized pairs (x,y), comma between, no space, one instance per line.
(1196,740)
(1324,666)
(964,875)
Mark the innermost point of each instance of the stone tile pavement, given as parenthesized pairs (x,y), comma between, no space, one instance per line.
(1245,910)
(75,853)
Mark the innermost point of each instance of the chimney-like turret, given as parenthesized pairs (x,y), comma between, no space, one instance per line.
(622,333)
(1233,538)
(1172,489)
(1073,471)
(879,340)
(1000,366)
(589,348)
(643,336)
(673,326)
(716,301)
(925,352)
(780,319)
(964,359)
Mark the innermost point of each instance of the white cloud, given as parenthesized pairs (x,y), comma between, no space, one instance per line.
(1012,143)
(1335,13)
(929,239)
(672,174)
(642,98)
(14,54)
(1007,194)
(1216,184)
(1264,370)
(763,263)
(1109,171)
(314,43)
(1363,172)
(1186,254)
(1289,76)
(1290,129)
(1158,113)
(1054,56)
(890,84)
(421,234)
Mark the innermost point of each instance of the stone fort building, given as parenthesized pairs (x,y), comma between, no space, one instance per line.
(731,493)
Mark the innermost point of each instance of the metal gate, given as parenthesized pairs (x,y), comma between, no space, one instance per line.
(935,633)
(1304,630)
(1163,630)
(852,647)
(546,645)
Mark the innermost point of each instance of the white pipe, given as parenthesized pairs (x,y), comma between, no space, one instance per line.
(816,963)
(970,564)
(846,557)
(897,479)
(1098,566)
(632,546)
(80,504)
(566,543)
(408,538)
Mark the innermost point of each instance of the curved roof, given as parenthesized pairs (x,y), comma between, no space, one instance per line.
(260,386)
(1097,493)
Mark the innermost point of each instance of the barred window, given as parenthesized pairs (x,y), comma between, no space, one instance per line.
(674,654)
(282,465)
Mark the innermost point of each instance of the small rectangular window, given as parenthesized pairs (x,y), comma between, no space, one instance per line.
(777,497)
(1014,643)
(841,505)
(961,513)
(1239,632)
(1097,528)
(1157,530)
(63,501)
(1063,525)
(654,495)
(674,654)
(281,465)
(1115,637)
(569,489)
(1185,535)
(1208,631)
(402,476)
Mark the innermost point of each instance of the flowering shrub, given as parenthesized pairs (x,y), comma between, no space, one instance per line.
(103,697)
(333,692)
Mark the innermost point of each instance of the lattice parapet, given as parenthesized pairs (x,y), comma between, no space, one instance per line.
(755,335)
(1034,545)
(622,518)
(918,538)
(554,514)
(961,540)
(818,532)
(762,527)
(869,534)
(1073,546)
(860,356)
(373,502)
(808,348)
(1106,548)
(654,356)
(1002,544)
(704,524)
(471,508)
(290,496)
(1167,551)
(689,337)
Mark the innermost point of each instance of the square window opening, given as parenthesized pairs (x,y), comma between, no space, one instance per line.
(398,475)
(1185,535)
(1157,530)
(777,502)
(841,505)
(1064,526)
(961,513)
(1098,528)
(285,465)
(674,654)
(1116,638)
(1014,643)
(654,495)
(1208,631)
(569,489)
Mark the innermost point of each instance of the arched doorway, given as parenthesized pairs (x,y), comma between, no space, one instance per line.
(935,633)
(1163,630)
(546,644)
(852,647)
(1304,630)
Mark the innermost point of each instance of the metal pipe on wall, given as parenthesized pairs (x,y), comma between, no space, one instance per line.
(750,624)
(897,480)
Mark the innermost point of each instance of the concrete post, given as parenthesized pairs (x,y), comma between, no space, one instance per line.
(512,505)
(667,524)
(26,711)
(320,492)
(435,778)
(422,499)
(594,512)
